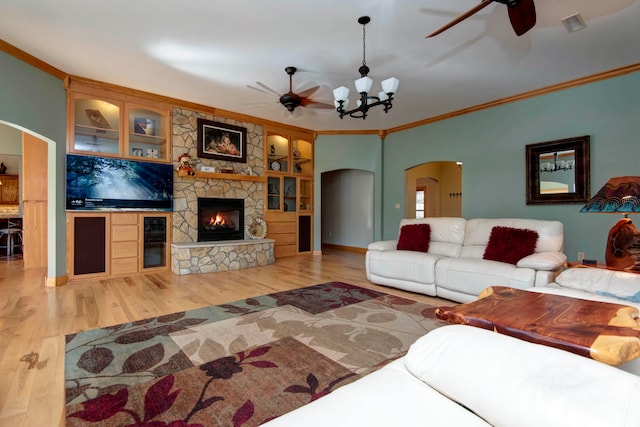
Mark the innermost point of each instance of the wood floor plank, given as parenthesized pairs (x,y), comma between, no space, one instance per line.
(34,319)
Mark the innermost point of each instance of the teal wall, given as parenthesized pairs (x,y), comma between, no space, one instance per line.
(491,143)
(10,140)
(35,102)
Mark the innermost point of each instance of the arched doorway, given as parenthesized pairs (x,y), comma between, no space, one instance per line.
(347,208)
(434,189)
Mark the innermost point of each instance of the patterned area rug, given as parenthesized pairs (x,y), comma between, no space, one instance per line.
(237,364)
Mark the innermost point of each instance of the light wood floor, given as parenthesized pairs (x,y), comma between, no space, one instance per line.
(34,319)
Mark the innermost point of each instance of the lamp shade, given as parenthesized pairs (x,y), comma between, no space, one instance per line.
(341,93)
(363,84)
(390,85)
(618,195)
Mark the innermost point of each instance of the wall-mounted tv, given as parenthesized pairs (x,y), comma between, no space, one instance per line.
(104,183)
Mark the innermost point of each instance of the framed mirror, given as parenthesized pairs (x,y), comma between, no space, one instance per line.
(558,171)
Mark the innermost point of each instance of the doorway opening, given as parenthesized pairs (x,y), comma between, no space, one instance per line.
(434,189)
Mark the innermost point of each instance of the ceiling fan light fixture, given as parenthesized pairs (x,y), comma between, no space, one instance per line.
(574,22)
(363,86)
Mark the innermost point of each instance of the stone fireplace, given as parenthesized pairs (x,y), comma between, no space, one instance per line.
(210,244)
(220,219)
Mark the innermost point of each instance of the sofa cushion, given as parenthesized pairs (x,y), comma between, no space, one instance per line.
(611,283)
(509,382)
(414,237)
(447,234)
(472,275)
(508,244)
(478,230)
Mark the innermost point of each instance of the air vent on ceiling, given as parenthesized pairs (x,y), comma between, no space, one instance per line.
(574,22)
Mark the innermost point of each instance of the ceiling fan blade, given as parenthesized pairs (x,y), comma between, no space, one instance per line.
(317,104)
(461,18)
(268,89)
(308,92)
(259,90)
(522,16)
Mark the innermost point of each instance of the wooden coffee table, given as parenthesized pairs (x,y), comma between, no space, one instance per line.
(609,333)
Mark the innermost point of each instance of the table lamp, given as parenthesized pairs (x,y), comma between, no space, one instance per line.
(620,195)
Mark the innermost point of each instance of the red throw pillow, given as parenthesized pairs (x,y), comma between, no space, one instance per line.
(510,245)
(414,237)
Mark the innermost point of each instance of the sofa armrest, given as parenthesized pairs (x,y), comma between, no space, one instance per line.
(511,382)
(548,261)
(383,245)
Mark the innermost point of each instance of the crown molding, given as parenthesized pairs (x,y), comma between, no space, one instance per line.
(32,60)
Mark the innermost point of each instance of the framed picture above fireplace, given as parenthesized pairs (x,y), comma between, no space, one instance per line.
(222,141)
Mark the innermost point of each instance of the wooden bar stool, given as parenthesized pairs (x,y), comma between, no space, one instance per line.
(13,236)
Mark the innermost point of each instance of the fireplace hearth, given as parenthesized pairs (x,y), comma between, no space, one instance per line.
(220,219)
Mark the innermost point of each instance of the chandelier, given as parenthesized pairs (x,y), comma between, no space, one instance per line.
(363,86)
(557,165)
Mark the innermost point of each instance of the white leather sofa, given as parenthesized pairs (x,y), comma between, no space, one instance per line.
(454,268)
(465,376)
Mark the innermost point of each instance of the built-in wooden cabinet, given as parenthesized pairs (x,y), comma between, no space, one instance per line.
(289,190)
(9,189)
(125,239)
(106,122)
(117,243)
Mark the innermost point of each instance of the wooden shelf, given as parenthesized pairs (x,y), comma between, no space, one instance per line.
(230,176)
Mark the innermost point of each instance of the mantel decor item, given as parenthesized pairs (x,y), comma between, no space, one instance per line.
(620,195)
(221,141)
(363,86)
(558,171)
(256,230)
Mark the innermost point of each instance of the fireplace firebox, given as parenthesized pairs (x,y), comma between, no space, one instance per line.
(220,219)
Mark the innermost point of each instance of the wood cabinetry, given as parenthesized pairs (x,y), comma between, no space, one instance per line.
(9,190)
(124,243)
(289,190)
(108,121)
(105,122)
(117,243)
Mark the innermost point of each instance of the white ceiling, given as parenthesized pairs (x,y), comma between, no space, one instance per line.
(210,51)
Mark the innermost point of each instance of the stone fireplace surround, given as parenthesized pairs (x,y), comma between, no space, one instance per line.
(188,256)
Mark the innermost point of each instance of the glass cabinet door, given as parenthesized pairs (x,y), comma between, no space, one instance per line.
(154,251)
(96,126)
(274,193)
(305,203)
(146,134)
(290,194)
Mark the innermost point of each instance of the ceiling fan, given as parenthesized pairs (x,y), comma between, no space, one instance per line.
(292,100)
(522,14)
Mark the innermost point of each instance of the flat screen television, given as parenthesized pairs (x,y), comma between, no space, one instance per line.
(104,183)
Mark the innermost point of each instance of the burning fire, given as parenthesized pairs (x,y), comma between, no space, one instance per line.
(218,220)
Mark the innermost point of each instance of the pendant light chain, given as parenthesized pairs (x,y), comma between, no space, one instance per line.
(364,46)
